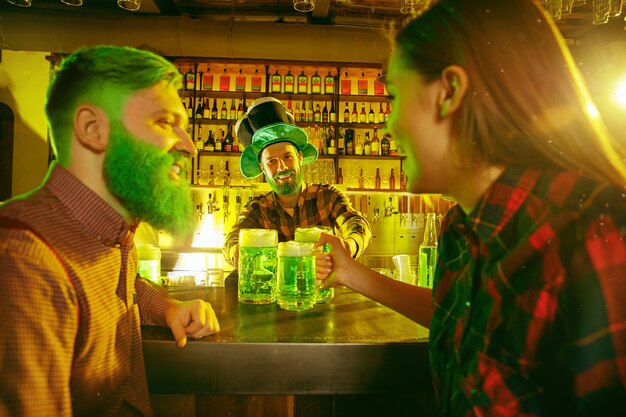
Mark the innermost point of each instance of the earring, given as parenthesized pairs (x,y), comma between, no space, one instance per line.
(443,108)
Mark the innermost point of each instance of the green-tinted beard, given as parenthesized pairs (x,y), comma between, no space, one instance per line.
(138,173)
(286,189)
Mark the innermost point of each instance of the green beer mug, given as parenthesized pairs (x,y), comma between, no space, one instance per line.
(312,234)
(296,284)
(257,266)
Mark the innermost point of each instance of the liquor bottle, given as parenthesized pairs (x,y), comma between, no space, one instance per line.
(340,176)
(358,145)
(240,81)
(393,149)
(379,86)
(199,110)
(225,81)
(190,80)
(214,109)
(317,115)
(325,114)
(303,83)
(331,143)
(371,118)
(346,85)
(332,115)
(377,179)
(362,85)
(296,113)
(189,107)
(289,109)
(219,140)
(329,84)
(207,80)
(315,139)
(316,83)
(209,144)
(362,115)
(309,112)
(402,180)
(224,111)
(324,140)
(303,116)
(206,109)
(341,142)
(387,112)
(235,147)
(276,82)
(381,113)
(384,145)
(240,111)
(367,145)
(427,258)
(375,143)
(349,141)
(227,144)
(354,116)
(392,180)
(199,142)
(289,82)
(232,114)
(257,81)
(346,114)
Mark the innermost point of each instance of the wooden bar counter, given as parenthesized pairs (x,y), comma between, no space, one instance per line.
(351,356)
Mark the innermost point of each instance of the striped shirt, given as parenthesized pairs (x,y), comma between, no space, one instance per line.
(319,204)
(530,300)
(70,305)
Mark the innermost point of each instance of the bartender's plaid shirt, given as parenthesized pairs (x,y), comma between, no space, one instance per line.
(530,300)
(319,204)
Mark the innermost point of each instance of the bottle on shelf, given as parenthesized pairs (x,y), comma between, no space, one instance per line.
(325,113)
(209,144)
(375,143)
(346,114)
(190,80)
(427,258)
(354,116)
(340,176)
(207,80)
(219,140)
(393,149)
(199,142)
(317,114)
(387,112)
(371,118)
(362,114)
(381,113)
(367,145)
(227,144)
(315,139)
(358,145)
(224,111)
(296,113)
(377,179)
(206,109)
(392,180)
(324,140)
(341,141)
(332,115)
(309,112)
(402,180)
(331,143)
(303,83)
(362,85)
(256,82)
(240,111)
(276,82)
(349,142)
(289,82)
(384,145)
(379,86)
(214,109)
(235,147)
(225,81)
(240,81)
(199,110)
(329,84)
(289,109)
(232,113)
(346,85)
(316,83)
(303,115)
(189,107)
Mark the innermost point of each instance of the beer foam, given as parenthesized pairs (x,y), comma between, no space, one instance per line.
(293,248)
(311,233)
(258,238)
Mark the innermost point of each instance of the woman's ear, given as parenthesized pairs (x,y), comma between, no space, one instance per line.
(91,127)
(453,89)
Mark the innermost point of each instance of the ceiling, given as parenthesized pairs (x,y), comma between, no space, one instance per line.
(363,13)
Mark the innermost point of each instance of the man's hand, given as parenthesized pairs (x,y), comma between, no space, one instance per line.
(194,318)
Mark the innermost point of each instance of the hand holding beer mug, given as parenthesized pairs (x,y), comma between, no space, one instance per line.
(312,234)
(257,266)
(296,285)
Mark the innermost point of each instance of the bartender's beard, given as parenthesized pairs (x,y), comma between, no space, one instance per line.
(140,176)
(288,188)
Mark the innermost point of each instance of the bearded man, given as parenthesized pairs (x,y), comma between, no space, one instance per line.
(71,301)
(277,148)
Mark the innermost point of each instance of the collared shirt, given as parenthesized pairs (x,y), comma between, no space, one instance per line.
(70,306)
(318,204)
(530,300)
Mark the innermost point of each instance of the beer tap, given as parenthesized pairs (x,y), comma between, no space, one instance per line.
(389,208)
(237,204)
(199,212)
(376,215)
(211,205)
(225,205)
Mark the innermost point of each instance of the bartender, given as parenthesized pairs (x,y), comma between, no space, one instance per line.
(277,148)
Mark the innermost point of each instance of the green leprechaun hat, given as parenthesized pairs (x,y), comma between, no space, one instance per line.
(267,122)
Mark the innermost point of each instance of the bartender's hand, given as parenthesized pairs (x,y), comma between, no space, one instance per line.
(194,318)
(329,266)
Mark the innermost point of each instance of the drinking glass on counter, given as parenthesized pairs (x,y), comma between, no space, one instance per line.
(296,285)
(257,266)
(312,234)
